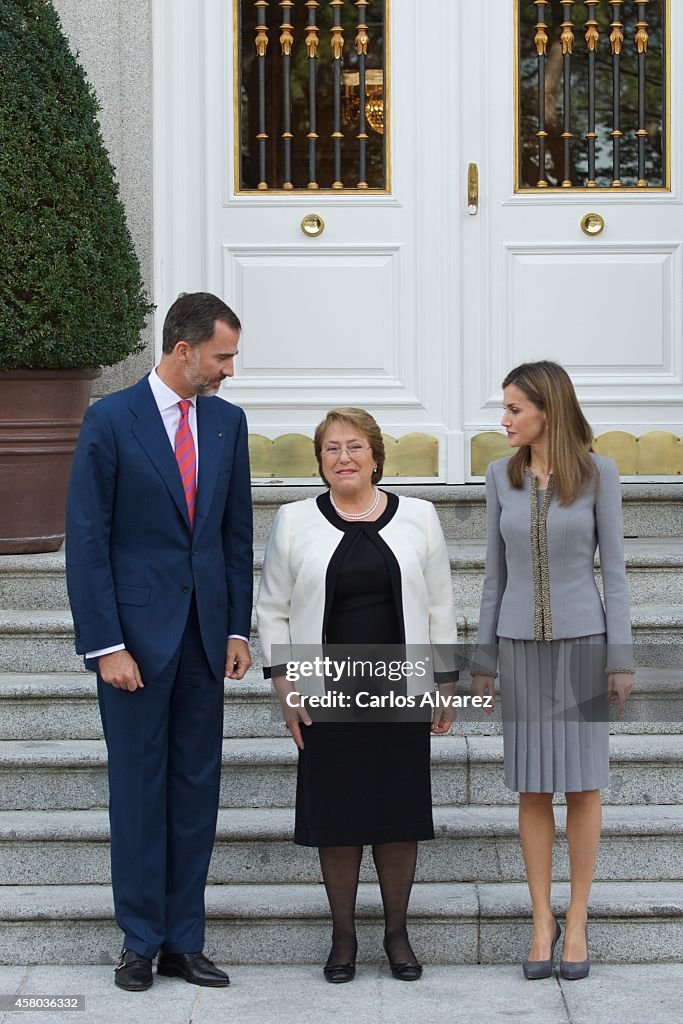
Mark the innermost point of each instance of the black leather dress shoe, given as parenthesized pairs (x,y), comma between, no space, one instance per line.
(134,972)
(193,967)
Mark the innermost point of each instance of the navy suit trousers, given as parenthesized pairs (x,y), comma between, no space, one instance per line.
(164,744)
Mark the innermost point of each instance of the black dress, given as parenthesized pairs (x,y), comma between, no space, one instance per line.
(363,782)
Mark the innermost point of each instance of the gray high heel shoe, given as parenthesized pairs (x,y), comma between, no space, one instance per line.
(574,970)
(534,970)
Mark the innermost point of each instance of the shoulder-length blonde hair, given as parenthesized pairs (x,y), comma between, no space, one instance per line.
(570,436)
(364,423)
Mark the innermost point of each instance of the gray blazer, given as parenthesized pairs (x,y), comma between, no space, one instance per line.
(539,563)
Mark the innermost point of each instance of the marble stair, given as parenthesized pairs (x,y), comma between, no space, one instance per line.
(265,901)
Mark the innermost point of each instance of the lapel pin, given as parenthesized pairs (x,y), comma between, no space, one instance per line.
(220,433)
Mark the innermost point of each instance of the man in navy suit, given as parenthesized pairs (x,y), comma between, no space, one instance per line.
(159,571)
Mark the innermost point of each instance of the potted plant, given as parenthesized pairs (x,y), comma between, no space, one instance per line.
(71,294)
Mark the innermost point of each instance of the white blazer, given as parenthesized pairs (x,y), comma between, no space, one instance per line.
(291,600)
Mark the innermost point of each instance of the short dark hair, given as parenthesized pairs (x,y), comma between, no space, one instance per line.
(192,318)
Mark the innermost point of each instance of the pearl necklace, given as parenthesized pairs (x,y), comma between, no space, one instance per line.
(353,516)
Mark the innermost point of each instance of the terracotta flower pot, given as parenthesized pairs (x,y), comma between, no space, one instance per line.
(40,417)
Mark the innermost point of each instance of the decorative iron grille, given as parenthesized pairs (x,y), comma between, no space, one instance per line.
(592,94)
(313,98)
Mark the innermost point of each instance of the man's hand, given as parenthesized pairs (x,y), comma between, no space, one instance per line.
(120,670)
(237,659)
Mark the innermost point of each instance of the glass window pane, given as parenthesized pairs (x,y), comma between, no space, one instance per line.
(592,94)
(301,67)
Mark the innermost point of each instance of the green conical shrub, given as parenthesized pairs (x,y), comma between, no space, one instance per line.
(71,294)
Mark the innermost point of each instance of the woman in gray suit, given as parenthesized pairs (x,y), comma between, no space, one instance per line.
(561,654)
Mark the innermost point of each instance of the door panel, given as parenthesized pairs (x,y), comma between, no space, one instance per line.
(365,313)
(368,358)
(535,286)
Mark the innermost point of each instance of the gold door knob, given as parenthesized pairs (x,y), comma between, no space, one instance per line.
(592,224)
(313,225)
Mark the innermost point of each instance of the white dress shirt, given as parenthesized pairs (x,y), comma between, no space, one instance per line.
(167,404)
(169,410)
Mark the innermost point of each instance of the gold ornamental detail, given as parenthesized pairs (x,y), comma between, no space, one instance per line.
(261,40)
(642,37)
(312,35)
(286,37)
(567,37)
(337,41)
(286,40)
(616,37)
(312,41)
(362,38)
(567,34)
(592,36)
(541,36)
(656,453)
(541,39)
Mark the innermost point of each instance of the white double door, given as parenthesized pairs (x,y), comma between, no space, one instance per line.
(406,304)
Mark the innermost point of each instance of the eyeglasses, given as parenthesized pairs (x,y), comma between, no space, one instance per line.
(333,451)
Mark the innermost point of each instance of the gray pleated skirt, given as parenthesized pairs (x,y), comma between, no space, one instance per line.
(555,714)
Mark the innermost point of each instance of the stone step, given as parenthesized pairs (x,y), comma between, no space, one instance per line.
(472,844)
(71,774)
(631,922)
(33,581)
(42,641)
(654,567)
(64,706)
(650,510)
(37,641)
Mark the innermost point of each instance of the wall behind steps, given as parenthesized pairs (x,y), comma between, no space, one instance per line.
(113,41)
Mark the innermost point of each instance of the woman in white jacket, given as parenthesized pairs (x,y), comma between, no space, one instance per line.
(359,566)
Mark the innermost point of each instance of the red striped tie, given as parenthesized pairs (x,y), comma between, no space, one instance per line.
(186,458)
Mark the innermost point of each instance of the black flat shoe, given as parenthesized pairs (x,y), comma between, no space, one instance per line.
(193,967)
(337,974)
(574,970)
(404,972)
(134,972)
(534,970)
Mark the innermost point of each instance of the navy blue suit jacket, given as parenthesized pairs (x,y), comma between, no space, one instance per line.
(132,560)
